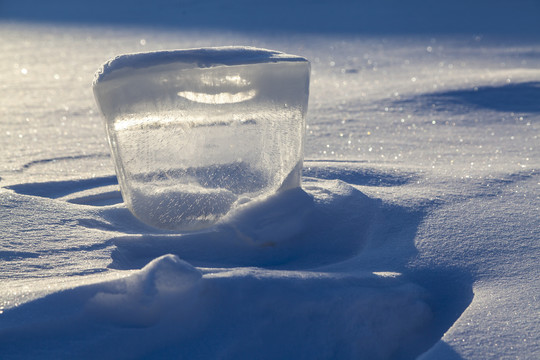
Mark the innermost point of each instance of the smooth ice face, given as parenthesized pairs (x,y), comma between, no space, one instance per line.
(197,133)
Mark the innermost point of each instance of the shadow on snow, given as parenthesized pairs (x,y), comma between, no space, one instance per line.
(329,226)
(518,98)
(304,16)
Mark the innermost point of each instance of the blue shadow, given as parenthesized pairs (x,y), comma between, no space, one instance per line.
(520,97)
(301,16)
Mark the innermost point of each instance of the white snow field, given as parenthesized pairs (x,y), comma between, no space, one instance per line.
(415,233)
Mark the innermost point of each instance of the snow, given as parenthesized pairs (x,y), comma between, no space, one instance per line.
(415,233)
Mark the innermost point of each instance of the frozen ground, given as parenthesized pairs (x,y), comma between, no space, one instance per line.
(415,235)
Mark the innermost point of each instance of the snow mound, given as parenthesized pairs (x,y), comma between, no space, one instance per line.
(198,316)
(140,300)
(323,261)
(291,229)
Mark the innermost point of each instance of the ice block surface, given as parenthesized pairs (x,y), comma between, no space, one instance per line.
(202,57)
(197,133)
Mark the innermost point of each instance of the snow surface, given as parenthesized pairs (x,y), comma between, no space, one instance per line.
(415,233)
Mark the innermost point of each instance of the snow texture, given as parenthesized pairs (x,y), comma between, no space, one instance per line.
(414,235)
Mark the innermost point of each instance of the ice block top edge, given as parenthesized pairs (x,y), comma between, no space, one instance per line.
(199,57)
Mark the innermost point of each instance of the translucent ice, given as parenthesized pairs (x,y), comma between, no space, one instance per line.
(197,133)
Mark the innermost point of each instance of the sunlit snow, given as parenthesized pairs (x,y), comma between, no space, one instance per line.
(414,235)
